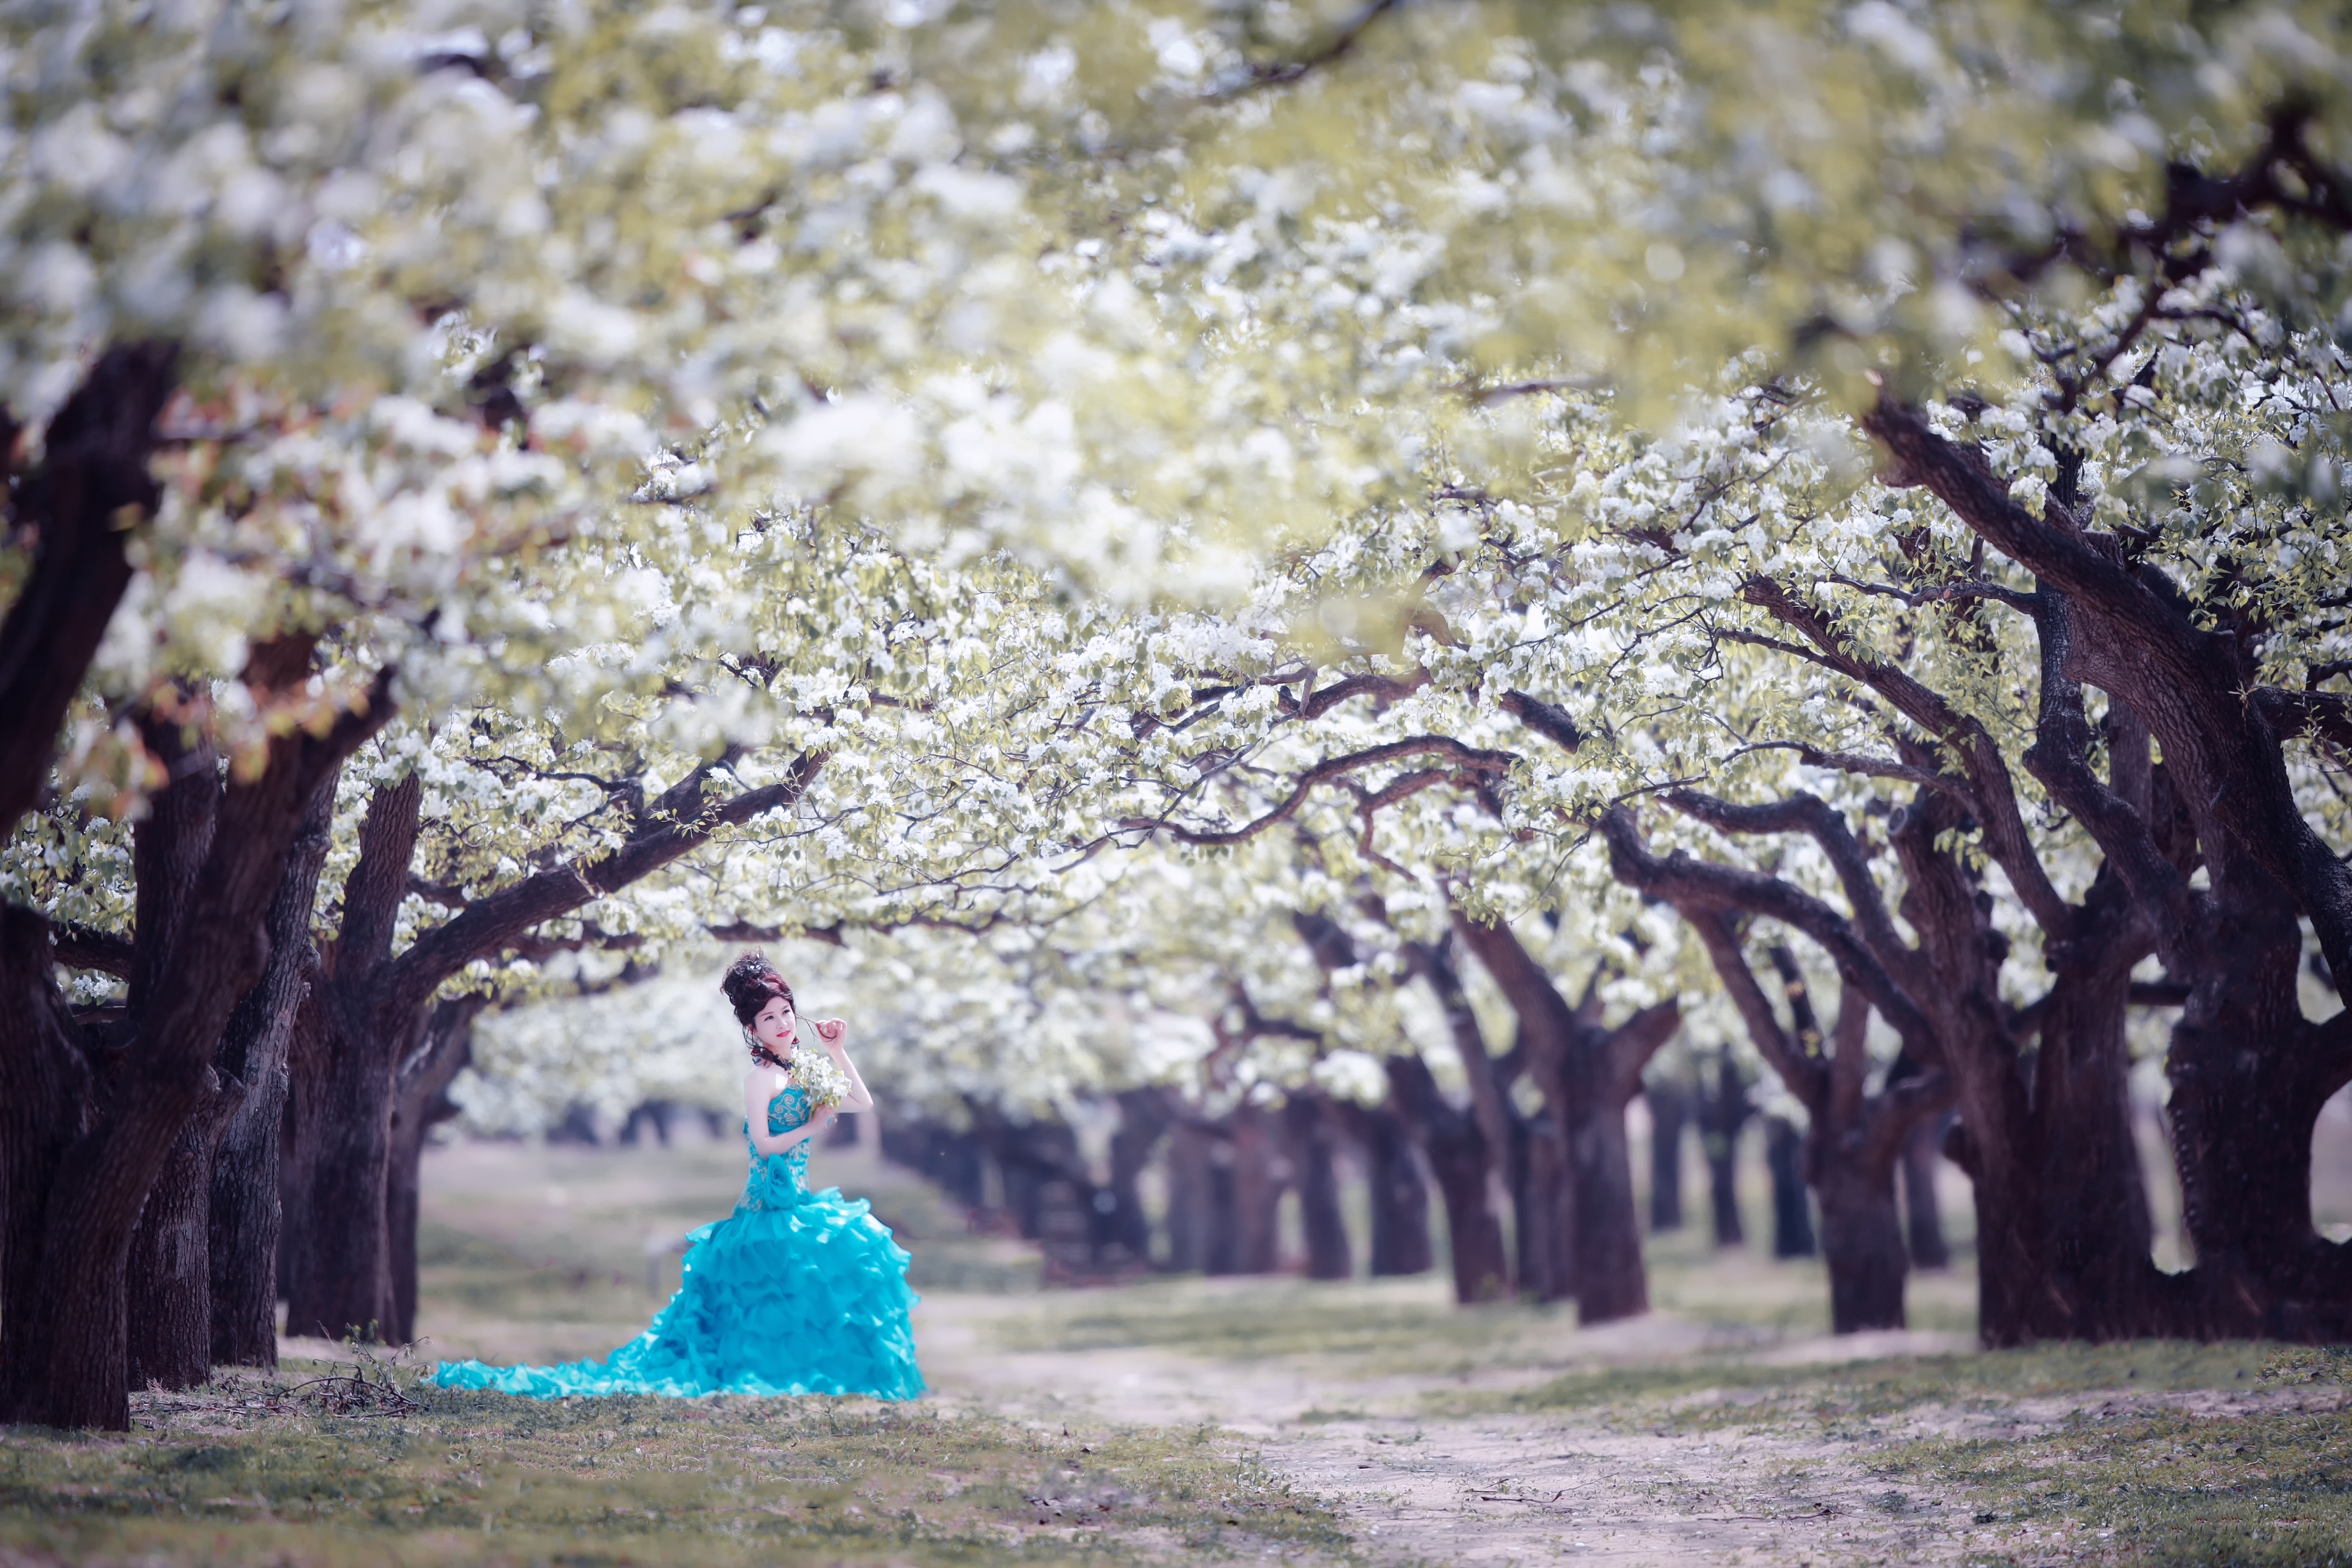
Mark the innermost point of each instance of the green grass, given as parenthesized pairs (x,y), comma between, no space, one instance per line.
(236,1474)
(1700,1394)
(1256,1320)
(2273,1490)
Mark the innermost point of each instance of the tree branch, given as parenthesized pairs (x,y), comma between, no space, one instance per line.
(1997,810)
(1872,767)
(83,947)
(75,506)
(1469,759)
(2326,714)
(1689,884)
(1810,814)
(680,822)
(1552,723)
(2183,682)
(2060,758)
(1633,1043)
(1805,1076)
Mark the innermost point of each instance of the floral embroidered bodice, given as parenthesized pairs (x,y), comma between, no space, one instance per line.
(779,1181)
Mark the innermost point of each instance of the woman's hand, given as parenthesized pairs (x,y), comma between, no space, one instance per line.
(830,1030)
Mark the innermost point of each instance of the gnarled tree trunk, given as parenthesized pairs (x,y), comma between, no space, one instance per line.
(244,1212)
(79,1323)
(1199,1209)
(1543,1212)
(1262,1173)
(45,1104)
(168,1275)
(167,1315)
(341,1283)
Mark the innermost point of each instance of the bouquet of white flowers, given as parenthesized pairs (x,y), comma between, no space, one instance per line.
(818,1077)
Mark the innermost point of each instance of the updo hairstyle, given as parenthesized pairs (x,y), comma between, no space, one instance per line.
(751,984)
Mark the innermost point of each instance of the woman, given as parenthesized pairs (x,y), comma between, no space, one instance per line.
(795,1292)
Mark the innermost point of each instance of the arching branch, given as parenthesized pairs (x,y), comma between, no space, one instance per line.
(1804,1076)
(1809,815)
(1996,810)
(678,823)
(1464,759)
(1690,884)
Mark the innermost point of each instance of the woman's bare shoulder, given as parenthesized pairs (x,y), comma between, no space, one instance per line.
(766,1077)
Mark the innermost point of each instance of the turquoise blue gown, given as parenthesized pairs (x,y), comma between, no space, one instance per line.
(795,1292)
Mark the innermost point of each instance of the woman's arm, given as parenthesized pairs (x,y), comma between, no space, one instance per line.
(832,1031)
(761,1085)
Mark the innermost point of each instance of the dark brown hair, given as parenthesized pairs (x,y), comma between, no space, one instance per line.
(751,984)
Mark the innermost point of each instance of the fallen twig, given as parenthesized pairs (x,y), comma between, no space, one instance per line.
(355,1396)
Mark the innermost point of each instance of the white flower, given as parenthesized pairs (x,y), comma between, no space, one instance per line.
(816,1075)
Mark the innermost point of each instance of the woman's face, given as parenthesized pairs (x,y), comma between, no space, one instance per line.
(774,1026)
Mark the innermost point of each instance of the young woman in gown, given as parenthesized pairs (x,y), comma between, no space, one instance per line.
(795,1292)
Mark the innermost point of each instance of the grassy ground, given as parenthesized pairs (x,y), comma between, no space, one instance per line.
(240,1472)
(2202,1489)
(1361,1422)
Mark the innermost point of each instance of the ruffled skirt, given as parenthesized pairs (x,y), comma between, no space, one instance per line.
(808,1299)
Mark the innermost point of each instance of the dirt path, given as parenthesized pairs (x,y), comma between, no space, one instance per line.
(1499,1489)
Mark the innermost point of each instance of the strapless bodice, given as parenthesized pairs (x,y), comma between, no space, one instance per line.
(779,1181)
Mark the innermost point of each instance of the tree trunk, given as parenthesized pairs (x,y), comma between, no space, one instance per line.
(77,1324)
(1723,1114)
(1922,1220)
(1400,1196)
(342,1280)
(1542,1216)
(167,1278)
(1587,1074)
(102,1183)
(2098,1235)
(1314,1151)
(1456,1147)
(1194,1219)
(244,1210)
(1792,1218)
(1143,1121)
(298,1128)
(45,1102)
(1861,1239)
(1995,1139)
(423,1104)
(1482,1266)
(1262,1173)
(2242,1122)
(1669,1104)
(342,1284)
(1609,1281)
